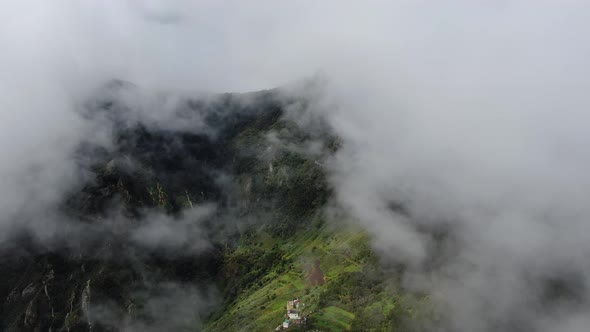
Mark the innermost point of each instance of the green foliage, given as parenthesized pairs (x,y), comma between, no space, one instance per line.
(279,179)
(356,295)
(158,195)
(332,319)
(271,261)
(306,188)
(245,267)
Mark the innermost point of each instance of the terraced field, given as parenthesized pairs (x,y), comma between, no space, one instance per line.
(352,296)
(263,308)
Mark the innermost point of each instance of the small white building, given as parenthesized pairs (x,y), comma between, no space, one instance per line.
(286,324)
(293,314)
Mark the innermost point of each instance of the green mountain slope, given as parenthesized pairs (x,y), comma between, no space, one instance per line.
(267,242)
(351,296)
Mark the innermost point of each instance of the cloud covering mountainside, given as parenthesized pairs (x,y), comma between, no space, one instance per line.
(473,117)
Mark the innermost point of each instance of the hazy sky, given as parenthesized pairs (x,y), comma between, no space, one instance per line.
(472,113)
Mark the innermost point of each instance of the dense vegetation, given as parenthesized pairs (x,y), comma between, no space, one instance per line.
(267,242)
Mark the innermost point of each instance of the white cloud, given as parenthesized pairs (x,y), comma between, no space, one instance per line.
(473,113)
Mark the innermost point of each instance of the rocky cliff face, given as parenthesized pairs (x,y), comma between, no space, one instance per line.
(157,210)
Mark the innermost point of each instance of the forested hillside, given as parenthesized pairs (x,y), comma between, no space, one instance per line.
(186,229)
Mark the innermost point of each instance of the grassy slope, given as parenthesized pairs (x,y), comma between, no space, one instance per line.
(271,266)
(263,308)
(335,305)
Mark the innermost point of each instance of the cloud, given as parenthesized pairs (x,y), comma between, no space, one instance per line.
(161,307)
(186,233)
(476,125)
(472,115)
